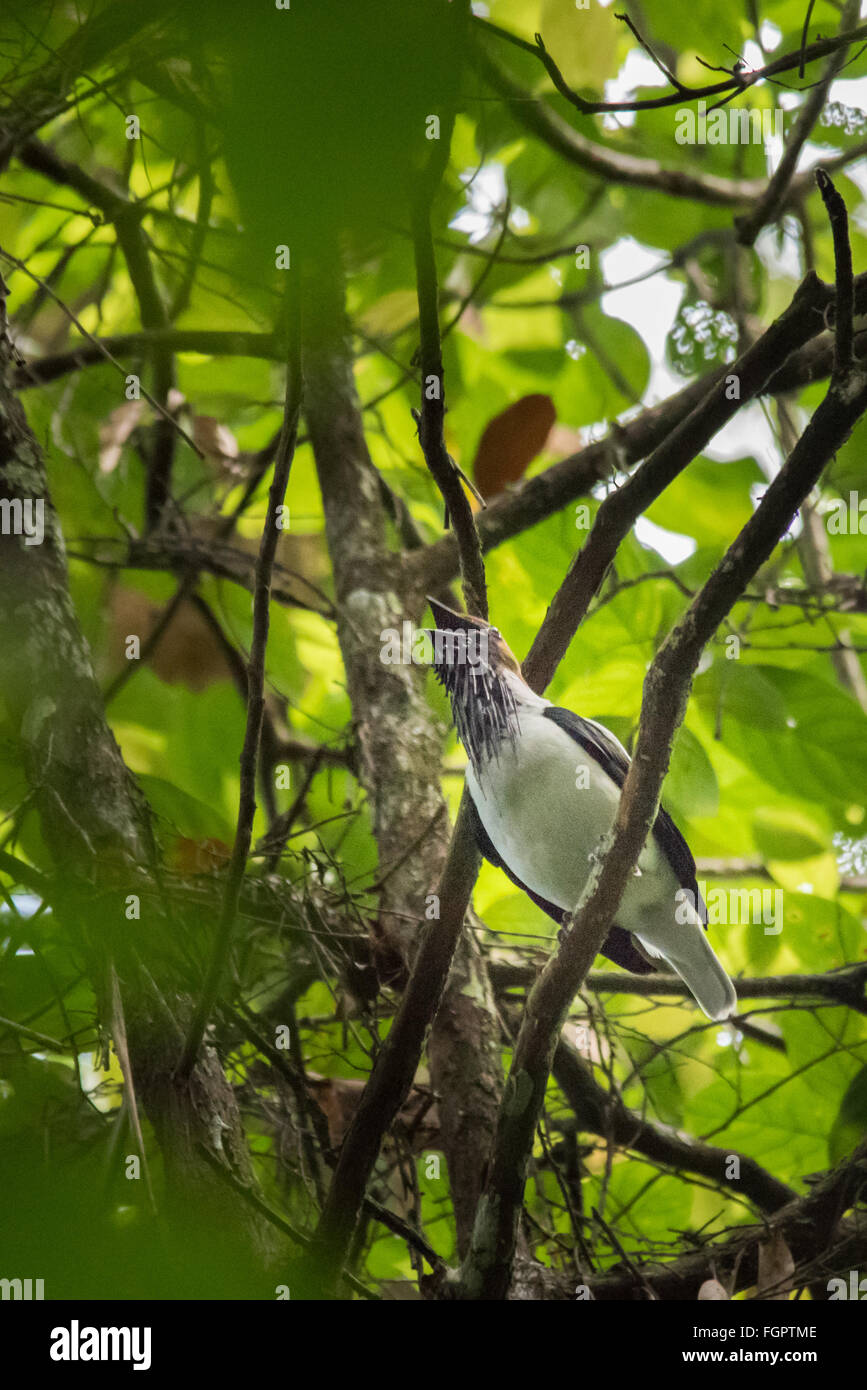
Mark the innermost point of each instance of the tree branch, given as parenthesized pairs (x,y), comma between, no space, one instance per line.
(487,1270)
(101,353)
(769,206)
(432,415)
(821,1240)
(126,216)
(603,1112)
(611,165)
(215,342)
(620,508)
(845,987)
(396,1064)
(732,84)
(255,697)
(575,476)
(845,303)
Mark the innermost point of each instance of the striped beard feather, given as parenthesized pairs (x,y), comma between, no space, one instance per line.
(483,706)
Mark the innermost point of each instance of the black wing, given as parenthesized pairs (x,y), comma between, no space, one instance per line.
(607,752)
(618,946)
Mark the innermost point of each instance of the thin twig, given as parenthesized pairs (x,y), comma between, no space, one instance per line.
(843,332)
(735,81)
(42,1038)
(804,33)
(493,257)
(768,207)
(101,349)
(255,698)
(663,68)
(432,414)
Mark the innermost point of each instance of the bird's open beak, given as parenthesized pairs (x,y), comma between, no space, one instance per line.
(457,639)
(447,620)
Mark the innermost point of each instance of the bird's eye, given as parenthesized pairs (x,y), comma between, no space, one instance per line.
(494,632)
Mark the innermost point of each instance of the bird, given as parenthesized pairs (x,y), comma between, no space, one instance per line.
(544,787)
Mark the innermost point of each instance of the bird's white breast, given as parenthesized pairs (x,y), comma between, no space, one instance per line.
(546,804)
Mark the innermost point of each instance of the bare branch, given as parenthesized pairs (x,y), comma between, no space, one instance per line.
(732,84)
(487,1270)
(770,204)
(575,476)
(621,507)
(603,1112)
(396,1065)
(101,352)
(216,342)
(255,698)
(846,986)
(611,165)
(432,415)
(820,1239)
(844,307)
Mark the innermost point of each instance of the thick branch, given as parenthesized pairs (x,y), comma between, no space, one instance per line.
(396,1065)
(621,507)
(575,476)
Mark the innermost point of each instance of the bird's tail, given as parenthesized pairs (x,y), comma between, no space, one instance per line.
(690,954)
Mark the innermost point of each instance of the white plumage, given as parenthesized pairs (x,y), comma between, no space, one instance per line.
(545,804)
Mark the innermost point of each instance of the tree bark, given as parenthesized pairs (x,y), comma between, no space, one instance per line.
(400,746)
(96,825)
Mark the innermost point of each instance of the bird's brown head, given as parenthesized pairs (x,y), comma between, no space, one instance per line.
(480,640)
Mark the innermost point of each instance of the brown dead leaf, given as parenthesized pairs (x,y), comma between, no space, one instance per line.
(511,441)
(190,857)
(776,1268)
(115,431)
(337,1097)
(215,440)
(712,1291)
(188,652)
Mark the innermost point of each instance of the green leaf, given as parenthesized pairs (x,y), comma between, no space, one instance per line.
(850,1126)
(184,813)
(691,787)
(787,833)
